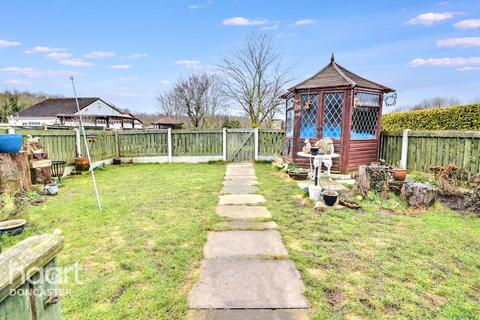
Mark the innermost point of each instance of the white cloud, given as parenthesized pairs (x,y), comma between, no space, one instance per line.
(43,49)
(35,74)
(136,56)
(242,21)
(16,82)
(268,28)
(468,24)
(200,5)
(188,63)
(304,22)
(58,55)
(100,54)
(164,82)
(445,62)
(127,78)
(468,68)
(8,44)
(430,18)
(459,42)
(121,66)
(76,62)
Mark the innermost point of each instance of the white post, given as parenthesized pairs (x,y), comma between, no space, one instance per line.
(225,144)
(255,132)
(11,130)
(78,143)
(403,159)
(170,151)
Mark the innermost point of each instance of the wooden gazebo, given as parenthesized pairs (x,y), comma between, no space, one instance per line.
(335,103)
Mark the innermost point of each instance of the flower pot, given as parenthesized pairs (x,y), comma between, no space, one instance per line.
(116,160)
(12,227)
(399,174)
(10,143)
(330,198)
(52,188)
(298,175)
(81,164)
(314,151)
(314,192)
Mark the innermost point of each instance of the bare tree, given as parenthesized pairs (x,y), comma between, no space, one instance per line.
(254,77)
(196,97)
(438,102)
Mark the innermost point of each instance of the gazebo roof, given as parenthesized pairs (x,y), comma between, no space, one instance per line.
(334,75)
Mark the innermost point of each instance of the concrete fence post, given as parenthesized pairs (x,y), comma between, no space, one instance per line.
(403,158)
(224,144)
(255,133)
(170,146)
(117,143)
(78,145)
(11,130)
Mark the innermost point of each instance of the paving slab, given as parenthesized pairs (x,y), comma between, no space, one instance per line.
(232,283)
(244,164)
(232,183)
(239,178)
(239,189)
(245,225)
(248,199)
(243,212)
(244,243)
(240,171)
(258,314)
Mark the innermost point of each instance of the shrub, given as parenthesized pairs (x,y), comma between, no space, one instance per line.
(455,118)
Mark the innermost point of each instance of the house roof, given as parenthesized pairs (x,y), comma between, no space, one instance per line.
(334,75)
(167,120)
(52,107)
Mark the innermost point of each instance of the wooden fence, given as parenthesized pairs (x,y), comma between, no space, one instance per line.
(62,144)
(426,149)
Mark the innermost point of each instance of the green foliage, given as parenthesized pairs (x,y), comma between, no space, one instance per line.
(455,118)
(231,124)
(15,101)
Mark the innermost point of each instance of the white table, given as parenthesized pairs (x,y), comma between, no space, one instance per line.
(316,166)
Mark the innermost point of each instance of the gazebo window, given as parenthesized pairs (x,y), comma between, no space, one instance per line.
(289,119)
(308,121)
(365,115)
(332,115)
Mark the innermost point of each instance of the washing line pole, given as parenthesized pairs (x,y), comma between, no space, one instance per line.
(86,145)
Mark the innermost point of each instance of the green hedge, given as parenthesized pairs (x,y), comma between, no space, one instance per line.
(454,118)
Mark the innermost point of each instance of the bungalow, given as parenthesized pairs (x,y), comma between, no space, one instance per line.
(167,123)
(63,111)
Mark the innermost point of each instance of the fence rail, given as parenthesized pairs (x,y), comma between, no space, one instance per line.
(426,149)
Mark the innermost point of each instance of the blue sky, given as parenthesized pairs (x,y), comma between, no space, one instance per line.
(128,51)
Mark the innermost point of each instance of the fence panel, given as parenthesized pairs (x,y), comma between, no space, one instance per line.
(60,144)
(103,147)
(143,143)
(427,149)
(197,143)
(270,142)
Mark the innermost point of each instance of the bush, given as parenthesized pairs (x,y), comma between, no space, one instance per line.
(455,118)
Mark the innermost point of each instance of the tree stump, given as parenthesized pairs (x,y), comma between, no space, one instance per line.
(373,177)
(418,195)
(14,173)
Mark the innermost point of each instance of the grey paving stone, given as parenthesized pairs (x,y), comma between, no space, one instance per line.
(257,314)
(233,183)
(232,283)
(245,225)
(243,212)
(238,178)
(240,172)
(249,199)
(246,243)
(239,189)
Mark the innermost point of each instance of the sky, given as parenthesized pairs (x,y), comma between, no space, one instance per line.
(128,51)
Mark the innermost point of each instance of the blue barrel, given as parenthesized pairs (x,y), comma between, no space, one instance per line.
(10,143)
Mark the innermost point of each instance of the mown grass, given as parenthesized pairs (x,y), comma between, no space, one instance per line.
(140,256)
(379,264)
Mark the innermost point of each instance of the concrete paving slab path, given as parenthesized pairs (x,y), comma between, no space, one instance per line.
(245,225)
(239,199)
(244,243)
(232,283)
(246,314)
(236,189)
(243,212)
(233,182)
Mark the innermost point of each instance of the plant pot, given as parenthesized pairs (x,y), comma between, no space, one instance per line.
(116,160)
(399,174)
(314,151)
(298,175)
(330,198)
(314,192)
(52,188)
(10,143)
(12,227)
(81,164)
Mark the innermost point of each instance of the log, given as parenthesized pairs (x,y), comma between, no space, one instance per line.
(418,195)
(14,173)
(374,178)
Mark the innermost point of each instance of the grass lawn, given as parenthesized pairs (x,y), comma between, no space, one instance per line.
(379,265)
(139,257)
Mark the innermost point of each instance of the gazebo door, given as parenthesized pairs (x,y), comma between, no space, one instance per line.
(331,115)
